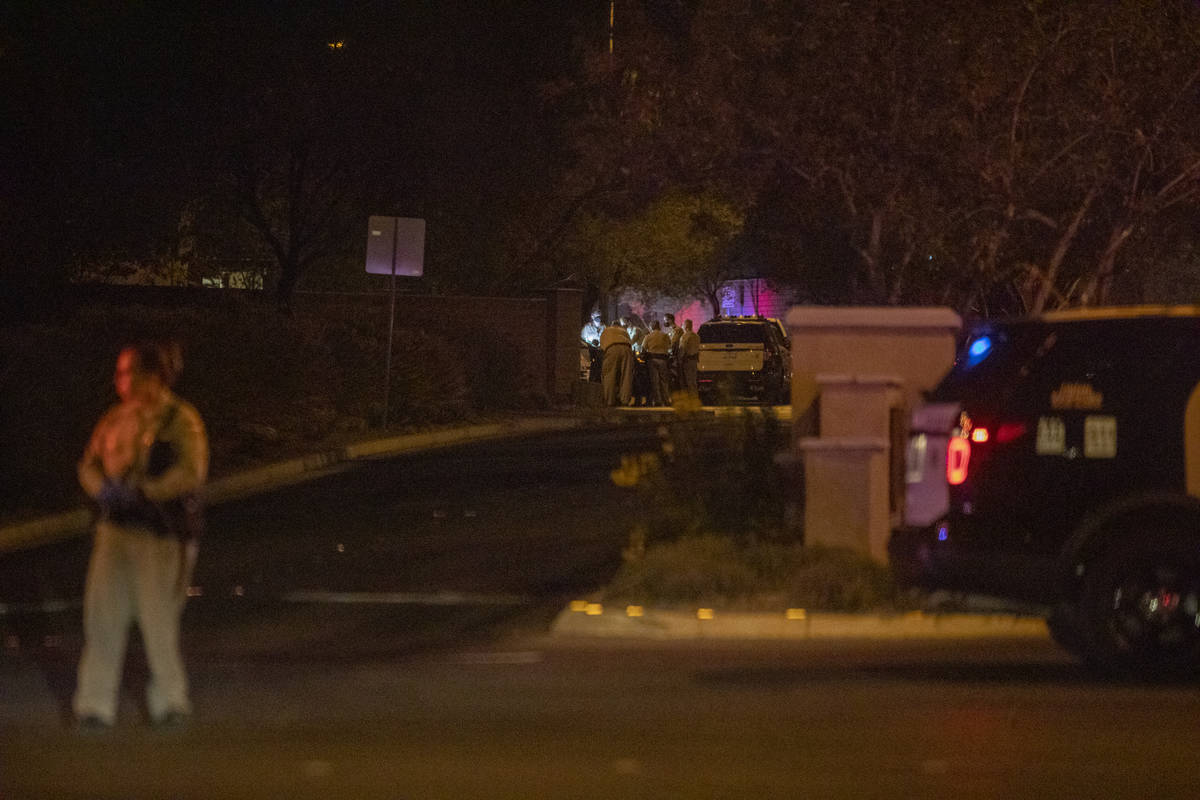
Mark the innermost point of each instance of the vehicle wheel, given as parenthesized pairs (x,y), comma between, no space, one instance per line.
(1140,609)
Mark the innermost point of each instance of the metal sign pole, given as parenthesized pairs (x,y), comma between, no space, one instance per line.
(387,379)
(409,233)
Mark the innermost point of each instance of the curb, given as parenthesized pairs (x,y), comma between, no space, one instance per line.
(582,619)
(68,524)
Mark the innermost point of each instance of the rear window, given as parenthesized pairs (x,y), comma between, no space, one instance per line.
(732,333)
(1022,363)
(992,360)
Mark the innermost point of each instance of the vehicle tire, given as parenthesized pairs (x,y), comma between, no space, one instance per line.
(1140,609)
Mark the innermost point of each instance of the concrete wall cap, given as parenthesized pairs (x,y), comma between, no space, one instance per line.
(844,443)
(801,318)
(842,379)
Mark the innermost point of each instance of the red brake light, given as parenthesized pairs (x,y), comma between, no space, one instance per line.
(979,435)
(958,456)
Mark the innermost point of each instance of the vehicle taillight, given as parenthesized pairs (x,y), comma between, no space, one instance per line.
(958,457)
(1009,432)
(979,435)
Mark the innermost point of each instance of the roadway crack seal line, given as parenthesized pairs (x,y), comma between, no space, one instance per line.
(320,598)
(44,607)
(406,598)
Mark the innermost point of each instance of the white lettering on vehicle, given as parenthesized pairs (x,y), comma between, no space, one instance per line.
(1051,436)
(1100,437)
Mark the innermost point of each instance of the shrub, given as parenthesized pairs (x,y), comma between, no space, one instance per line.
(717,476)
(703,570)
(429,381)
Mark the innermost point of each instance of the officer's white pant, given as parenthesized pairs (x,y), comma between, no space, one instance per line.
(134,576)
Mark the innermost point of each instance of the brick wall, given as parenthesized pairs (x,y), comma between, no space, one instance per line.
(543,329)
(460,320)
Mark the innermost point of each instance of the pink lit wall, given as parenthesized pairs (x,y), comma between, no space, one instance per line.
(745,297)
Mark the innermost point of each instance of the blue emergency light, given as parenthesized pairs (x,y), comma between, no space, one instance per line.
(979,350)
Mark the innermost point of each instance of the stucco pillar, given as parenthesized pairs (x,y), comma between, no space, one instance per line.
(846,494)
(564,307)
(867,367)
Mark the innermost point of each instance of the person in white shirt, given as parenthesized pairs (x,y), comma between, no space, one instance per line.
(590,334)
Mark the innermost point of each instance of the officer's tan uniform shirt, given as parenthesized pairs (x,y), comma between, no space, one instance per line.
(689,344)
(656,342)
(121,442)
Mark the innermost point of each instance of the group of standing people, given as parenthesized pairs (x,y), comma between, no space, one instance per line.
(670,355)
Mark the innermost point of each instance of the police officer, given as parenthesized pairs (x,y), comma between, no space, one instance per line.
(618,365)
(689,357)
(590,335)
(140,567)
(657,349)
(635,331)
(674,332)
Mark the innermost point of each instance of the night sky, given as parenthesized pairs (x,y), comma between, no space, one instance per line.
(117,111)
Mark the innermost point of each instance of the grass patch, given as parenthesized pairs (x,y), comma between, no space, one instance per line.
(720,572)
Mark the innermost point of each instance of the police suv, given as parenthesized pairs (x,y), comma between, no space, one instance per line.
(744,358)
(1059,462)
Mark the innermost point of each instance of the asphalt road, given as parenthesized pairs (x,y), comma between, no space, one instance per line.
(529,717)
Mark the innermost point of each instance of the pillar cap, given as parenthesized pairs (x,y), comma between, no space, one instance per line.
(800,318)
(844,444)
(846,379)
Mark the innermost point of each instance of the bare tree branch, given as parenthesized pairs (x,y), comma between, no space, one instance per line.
(1060,251)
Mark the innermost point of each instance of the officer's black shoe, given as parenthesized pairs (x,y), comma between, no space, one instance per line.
(91,725)
(171,721)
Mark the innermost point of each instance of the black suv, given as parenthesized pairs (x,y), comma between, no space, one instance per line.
(744,358)
(1059,462)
